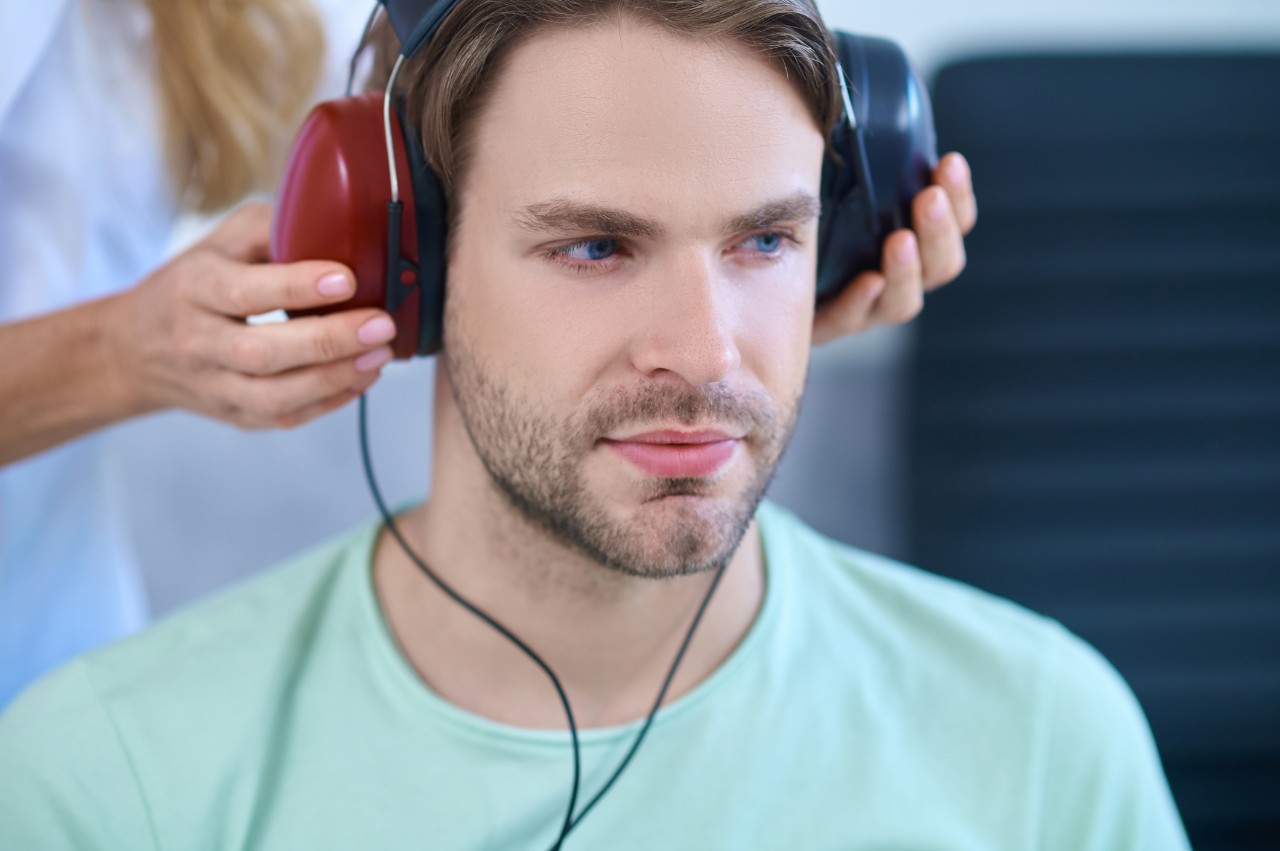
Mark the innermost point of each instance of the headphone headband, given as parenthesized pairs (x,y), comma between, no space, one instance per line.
(416,21)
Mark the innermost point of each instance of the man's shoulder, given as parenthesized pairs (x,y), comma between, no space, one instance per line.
(954,638)
(893,596)
(177,706)
(1027,703)
(220,645)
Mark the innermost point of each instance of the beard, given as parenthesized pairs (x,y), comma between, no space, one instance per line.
(536,461)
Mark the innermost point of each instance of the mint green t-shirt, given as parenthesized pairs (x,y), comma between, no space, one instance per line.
(870,706)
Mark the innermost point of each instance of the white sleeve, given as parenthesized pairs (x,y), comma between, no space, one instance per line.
(26,30)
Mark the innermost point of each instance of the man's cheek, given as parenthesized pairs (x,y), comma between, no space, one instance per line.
(777,333)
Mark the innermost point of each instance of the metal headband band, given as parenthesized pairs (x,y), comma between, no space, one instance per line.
(416,21)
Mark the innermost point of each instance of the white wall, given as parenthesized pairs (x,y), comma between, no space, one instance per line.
(933,31)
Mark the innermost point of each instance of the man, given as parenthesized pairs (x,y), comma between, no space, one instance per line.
(630,310)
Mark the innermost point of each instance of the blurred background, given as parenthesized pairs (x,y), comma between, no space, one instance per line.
(1087,422)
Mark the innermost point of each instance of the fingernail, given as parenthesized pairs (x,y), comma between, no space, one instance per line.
(873,292)
(937,206)
(332,285)
(380,329)
(364,383)
(955,169)
(906,250)
(373,359)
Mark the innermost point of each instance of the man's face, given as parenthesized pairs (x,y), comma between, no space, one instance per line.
(631,289)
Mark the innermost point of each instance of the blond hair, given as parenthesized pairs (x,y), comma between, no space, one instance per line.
(444,85)
(234,77)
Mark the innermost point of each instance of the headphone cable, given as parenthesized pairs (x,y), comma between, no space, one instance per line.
(570,821)
(360,46)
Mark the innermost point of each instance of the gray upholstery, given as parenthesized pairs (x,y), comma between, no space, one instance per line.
(1094,408)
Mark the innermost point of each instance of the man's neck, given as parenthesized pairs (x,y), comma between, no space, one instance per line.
(609,637)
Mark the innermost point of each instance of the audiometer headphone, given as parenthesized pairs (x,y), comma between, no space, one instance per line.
(359,190)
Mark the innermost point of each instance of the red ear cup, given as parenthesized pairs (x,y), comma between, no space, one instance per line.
(333,206)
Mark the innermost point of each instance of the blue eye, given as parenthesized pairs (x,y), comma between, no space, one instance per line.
(767,243)
(591,249)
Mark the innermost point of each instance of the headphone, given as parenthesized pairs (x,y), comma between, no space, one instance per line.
(358,189)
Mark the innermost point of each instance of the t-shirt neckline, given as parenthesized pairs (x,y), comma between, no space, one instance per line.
(404,680)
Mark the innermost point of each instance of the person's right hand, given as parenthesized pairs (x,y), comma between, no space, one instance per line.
(182,341)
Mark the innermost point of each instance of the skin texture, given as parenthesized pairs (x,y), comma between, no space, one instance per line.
(688,323)
(178,339)
(190,347)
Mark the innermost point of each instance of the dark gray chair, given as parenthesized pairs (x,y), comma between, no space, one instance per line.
(1094,409)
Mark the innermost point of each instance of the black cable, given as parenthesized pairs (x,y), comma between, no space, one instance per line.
(571,821)
(475,610)
(355,57)
(635,746)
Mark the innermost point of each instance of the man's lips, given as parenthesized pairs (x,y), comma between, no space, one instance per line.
(677,454)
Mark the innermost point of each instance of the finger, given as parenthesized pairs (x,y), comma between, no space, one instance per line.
(311,412)
(261,400)
(850,311)
(904,290)
(942,254)
(275,348)
(244,235)
(954,176)
(237,289)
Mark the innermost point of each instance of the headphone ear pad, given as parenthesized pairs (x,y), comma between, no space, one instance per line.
(333,205)
(432,216)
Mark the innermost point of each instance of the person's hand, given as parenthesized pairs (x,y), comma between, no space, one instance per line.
(181,338)
(914,262)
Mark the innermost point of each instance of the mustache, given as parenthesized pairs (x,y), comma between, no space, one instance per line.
(751,412)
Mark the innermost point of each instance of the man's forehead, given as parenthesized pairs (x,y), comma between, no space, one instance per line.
(592,132)
(640,82)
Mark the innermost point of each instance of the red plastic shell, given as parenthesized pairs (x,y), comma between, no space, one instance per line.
(332,205)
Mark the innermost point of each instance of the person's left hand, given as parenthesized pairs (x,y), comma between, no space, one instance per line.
(914,262)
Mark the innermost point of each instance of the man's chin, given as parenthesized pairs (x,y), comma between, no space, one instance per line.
(676,532)
(698,492)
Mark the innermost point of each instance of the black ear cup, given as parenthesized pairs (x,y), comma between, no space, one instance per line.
(876,163)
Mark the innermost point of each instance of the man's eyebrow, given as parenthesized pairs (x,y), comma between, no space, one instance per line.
(797,209)
(562,215)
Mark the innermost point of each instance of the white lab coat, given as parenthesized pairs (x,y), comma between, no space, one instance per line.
(85,210)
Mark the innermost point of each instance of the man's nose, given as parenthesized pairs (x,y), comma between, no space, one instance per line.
(687,325)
